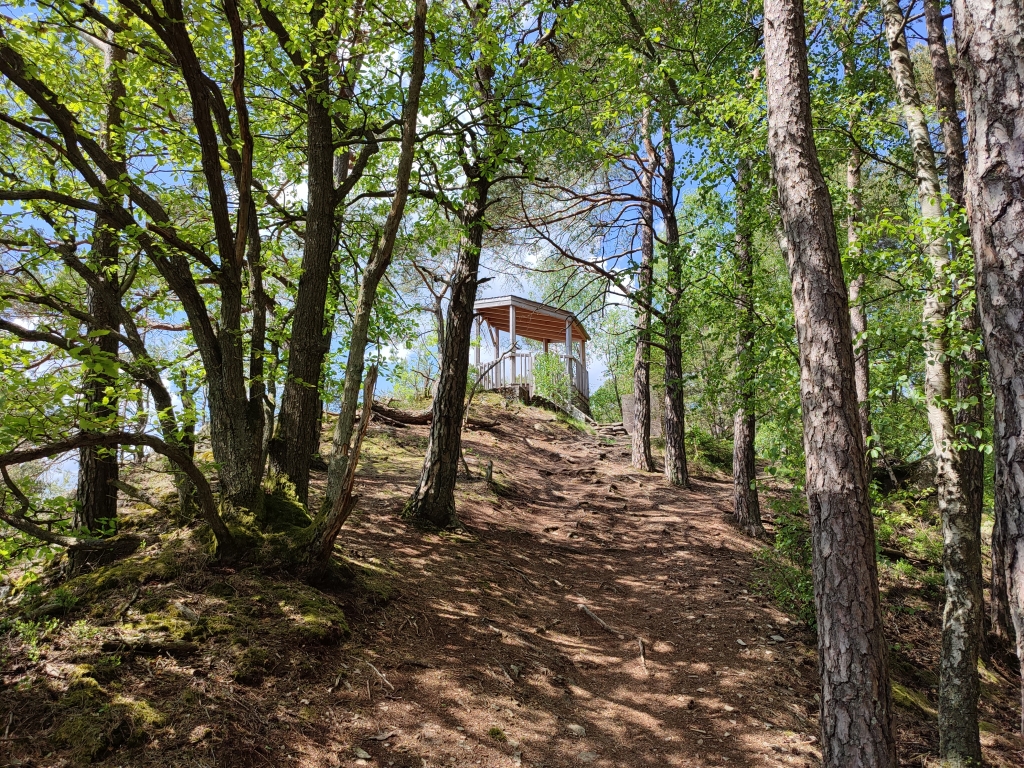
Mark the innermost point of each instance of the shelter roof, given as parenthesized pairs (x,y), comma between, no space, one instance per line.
(533,320)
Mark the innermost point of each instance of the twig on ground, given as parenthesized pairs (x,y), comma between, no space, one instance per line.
(643,655)
(599,620)
(131,601)
(522,575)
(380,675)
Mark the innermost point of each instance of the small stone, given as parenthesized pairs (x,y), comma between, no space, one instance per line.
(778,638)
(729,708)
(588,757)
(361,753)
(741,642)
(576,730)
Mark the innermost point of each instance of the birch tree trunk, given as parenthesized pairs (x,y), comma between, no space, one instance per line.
(858,315)
(746,505)
(970,394)
(988,40)
(856,716)
(642,457)
(959,742)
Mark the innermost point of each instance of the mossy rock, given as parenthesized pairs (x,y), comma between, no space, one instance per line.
(92,724)
(282,510)
(377,586)
(314,618)
(127,573)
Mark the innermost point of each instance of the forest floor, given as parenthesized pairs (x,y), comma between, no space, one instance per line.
(587,614)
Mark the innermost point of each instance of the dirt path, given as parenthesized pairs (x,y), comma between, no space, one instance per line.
(589,615)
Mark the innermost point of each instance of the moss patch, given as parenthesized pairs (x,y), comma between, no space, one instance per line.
(909,699)
(93,724)
(251,665)
(314,618)
(134,571)
(282,510)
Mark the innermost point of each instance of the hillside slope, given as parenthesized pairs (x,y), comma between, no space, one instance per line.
(587,614)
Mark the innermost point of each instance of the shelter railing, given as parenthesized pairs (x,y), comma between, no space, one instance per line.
(520,370)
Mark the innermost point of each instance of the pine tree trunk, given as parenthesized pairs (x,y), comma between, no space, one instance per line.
(675,402)
(96,496)
(297,438)
(959,742)
(856,715)
(746,505)
(642,457)
(988,34)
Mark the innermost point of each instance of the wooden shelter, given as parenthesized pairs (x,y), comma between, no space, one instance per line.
(521,318)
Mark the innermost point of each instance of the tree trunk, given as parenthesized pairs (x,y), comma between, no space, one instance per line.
(98,470)
(856,715)
(746,505)
(961,621)
(96,496)
(380,258)
(433,501)
(999,613)
(858,315)
(945,101)
(642,457)
(970,384)
(675,404)
(988,38)
(297,438)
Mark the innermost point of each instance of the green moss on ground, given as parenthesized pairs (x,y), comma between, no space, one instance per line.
(282,510)
(910,699)
(92,722)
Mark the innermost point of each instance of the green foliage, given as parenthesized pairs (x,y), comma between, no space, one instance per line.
(704,447)
(604,403)
(31,633)
(551,379)
(784,570)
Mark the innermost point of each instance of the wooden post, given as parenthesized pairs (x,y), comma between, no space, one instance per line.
(583,368)
(568,350)
(545,346)
(479,323)
(496,337)
(512,339)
